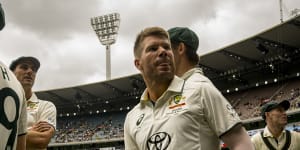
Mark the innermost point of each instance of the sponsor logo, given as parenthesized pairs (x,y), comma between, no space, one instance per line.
(231,110)
(159,141)
(138,122)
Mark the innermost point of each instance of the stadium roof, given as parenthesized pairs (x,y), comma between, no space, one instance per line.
(272,54)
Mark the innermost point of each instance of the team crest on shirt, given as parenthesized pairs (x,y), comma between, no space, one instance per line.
(177,104)
(32,105)
(176,101)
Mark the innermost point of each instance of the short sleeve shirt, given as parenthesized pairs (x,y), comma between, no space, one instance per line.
(191,115)
(259,144)
(40,110)
(12,109)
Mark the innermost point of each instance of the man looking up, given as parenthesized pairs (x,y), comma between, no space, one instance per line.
(174,113)
(274,136)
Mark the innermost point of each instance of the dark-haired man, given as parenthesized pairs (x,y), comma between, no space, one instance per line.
(221,118)
(41,122)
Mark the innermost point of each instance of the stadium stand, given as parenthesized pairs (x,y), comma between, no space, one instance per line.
(90,127)
(246,75)
(247,103)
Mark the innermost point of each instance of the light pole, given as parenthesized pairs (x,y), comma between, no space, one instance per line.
(106,28)
(280,10)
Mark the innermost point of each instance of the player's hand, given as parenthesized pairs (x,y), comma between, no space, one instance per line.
(41,126)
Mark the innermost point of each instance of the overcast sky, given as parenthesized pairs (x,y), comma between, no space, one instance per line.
(59,34)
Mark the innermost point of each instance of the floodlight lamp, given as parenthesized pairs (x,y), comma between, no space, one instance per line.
(106,27)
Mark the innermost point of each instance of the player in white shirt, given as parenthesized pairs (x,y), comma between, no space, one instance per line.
(174,113)
(275,136)
(222,120)
(41,122)
(13,113)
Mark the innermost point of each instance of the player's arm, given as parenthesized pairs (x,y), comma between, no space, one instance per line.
(237,139)
(21,144)
(224,120)
(256,140)
(22,122)
(129,142)
(40,134)
(37,139)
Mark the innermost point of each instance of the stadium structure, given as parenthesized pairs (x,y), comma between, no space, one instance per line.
(253,71)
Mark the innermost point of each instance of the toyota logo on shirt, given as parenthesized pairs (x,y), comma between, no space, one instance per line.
(159,141)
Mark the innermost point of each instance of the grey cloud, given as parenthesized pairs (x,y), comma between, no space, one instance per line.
(55,19)
(59,33)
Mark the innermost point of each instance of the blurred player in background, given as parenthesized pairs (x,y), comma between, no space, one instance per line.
(13,113)
(275,136)
(41,122)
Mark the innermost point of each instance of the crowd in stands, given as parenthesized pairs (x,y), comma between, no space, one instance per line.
(110,125)
(248,103)
(88,128)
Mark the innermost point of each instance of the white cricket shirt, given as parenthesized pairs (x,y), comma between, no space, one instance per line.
(12,109)
(190,115)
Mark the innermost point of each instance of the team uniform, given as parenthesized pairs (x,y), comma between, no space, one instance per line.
(191,114)
(290,141)
(40,110)
(12,109)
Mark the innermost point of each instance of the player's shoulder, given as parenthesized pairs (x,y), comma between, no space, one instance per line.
(256,137)
(9,80)
(2,64)
(46,103)
(198,77)
(295,134)
(135,110)
(199,82)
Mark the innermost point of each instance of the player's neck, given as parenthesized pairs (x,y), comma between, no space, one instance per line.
(28,93)
(156,90)
(275,130)
(183,68)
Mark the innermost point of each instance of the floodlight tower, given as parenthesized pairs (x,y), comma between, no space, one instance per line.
(106,28)
(280,9)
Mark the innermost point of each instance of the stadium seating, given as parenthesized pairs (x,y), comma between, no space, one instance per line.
(109,125)
(87,128)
